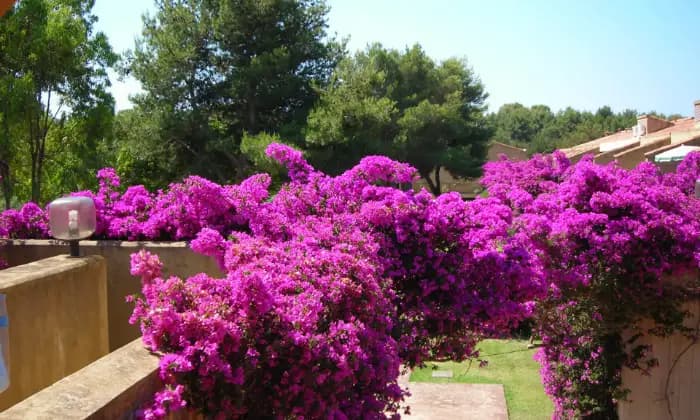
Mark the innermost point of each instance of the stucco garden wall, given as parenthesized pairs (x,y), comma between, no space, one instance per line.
(57,310)
(672,391)
(177,258)
(116,386)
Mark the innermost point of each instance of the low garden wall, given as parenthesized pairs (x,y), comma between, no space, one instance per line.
(113,387)
(177,257)
(57,310)
(672,391)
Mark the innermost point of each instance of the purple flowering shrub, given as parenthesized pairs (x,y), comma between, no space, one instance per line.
(178,213)
(606,239)
(29,222)
(335,282)
(296,328)
(518,182)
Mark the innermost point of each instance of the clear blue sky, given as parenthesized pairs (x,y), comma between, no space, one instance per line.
(637,54)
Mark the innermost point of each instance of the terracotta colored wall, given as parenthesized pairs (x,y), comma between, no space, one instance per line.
(113,387)
(57,310)
(648,397)
(177,258)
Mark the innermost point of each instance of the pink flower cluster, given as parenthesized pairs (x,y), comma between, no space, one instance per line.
(605,239)
(29,222)
(177,213)
(335,282)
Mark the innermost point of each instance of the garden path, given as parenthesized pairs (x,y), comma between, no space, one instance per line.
(454,401)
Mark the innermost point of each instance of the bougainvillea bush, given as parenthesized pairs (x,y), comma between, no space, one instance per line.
(332,285)
(607,240)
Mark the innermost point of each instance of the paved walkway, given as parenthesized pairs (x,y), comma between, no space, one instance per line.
(455,401)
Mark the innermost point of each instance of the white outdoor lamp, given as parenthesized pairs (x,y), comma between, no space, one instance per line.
(697,188)
(72,219)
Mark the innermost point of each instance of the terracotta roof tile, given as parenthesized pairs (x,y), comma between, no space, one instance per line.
(679,125)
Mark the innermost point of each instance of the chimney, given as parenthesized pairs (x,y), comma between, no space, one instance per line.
(697,110)
(652,124)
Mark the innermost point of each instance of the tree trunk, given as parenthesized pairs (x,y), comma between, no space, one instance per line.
(434,189)
(6,184)
(438,185)
(5,159)
(42,124)
(252,114)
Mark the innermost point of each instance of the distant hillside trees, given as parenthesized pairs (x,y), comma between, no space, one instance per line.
(539,129)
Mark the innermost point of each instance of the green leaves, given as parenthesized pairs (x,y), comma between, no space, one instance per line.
(214,70)
(404,105)
(52,67)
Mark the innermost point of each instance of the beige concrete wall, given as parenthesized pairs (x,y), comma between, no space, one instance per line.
(177,257)
(57,310)
(649,399)
(113,387)
(513,153)
(685,136)
(630,158)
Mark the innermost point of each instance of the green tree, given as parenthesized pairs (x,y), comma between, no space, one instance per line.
(539,130)
(213,70)
(76,148)
(403,105)
(53,63)
(517,124)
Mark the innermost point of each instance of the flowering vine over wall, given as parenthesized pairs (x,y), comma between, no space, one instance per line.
(607,240)
(333,282)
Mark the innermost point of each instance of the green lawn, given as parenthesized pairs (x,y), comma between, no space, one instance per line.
(510,364)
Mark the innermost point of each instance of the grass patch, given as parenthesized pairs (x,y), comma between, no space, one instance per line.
(510,364)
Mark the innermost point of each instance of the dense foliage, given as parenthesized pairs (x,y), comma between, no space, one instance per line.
(335,281)
(54,104)
(403,105)
(539,129)
(214,70)
(607,240)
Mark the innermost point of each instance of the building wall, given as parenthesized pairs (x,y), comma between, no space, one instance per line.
(648,399)
(178,259)
(634,156)
(57,310)
(513,153)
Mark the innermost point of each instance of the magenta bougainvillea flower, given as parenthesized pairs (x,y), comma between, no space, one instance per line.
(332,283)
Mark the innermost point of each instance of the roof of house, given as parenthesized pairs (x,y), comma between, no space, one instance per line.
(508,146)
(594,145)
(624,139)
(676,153)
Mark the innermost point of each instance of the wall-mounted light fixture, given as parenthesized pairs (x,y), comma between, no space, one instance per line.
(72,219)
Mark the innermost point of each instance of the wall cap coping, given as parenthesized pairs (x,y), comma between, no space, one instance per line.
(44,270)
(101,389)
(99,243)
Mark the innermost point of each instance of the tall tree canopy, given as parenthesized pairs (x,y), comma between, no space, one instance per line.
(404,105)
(52,67)
(213,70)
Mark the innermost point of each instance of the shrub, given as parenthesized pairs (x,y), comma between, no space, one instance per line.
(335,282)
(606,239)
